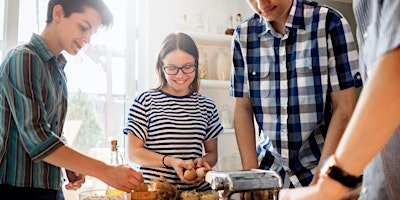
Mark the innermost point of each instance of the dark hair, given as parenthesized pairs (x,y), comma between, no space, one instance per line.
(171,43)
(78,6)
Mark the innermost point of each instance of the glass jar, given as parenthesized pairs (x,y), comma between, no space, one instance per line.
(203,64)
(223,65)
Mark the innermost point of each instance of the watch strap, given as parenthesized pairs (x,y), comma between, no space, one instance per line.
(330,169)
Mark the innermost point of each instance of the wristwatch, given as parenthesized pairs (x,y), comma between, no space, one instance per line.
(330,169)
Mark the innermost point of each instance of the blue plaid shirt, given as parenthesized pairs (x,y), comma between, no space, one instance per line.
(289,79)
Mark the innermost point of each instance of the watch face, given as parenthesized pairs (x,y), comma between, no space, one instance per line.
(326,167)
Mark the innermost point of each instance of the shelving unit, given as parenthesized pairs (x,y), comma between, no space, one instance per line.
(218,90)
(205,39)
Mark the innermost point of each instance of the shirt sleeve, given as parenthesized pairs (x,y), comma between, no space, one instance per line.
(137,119)
(215,126)
(238,80)
(343,55)
(389,22)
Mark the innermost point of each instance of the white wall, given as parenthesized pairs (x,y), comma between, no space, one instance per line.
(158,18)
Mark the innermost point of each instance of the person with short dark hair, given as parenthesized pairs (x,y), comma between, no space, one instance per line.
(33,106)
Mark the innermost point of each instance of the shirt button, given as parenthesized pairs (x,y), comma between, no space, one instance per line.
(358,77)
(363,190)
(285,153)
(365,35)
(253,73)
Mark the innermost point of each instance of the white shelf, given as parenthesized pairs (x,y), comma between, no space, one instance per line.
(214,84)
(211,39)
(229,130)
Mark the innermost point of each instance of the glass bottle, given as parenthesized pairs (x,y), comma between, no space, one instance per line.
(184,26)
(226,116)
(238,19)
(115,159)
(199,25)
(223,66)
(203,64)
(229,27)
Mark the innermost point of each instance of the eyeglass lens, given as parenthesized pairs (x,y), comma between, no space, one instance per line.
(173,70)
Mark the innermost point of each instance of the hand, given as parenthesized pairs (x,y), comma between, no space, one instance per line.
(122,177)
(352,194)
(180,165)
(200,162)
(75,180)
(325,188)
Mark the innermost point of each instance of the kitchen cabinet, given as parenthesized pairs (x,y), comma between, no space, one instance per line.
(218,90)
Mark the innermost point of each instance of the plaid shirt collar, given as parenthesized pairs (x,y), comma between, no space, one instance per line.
(294,20)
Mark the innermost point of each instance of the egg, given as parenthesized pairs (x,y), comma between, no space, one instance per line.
(190,174)
(201,172)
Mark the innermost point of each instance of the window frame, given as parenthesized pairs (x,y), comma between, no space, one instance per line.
(10,39)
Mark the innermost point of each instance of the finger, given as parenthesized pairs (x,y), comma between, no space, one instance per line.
(78,182)
(137,176)
(71,187)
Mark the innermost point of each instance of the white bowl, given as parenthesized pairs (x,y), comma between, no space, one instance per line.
(101,194)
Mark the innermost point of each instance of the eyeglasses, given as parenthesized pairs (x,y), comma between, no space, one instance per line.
(174,70)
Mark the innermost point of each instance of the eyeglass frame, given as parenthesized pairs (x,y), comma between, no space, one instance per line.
(180,68)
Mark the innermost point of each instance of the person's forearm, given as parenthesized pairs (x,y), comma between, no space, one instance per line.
(245,137)
(375,118)
(211,150)
(344,102)
(211,158)
(70,159)
(146,157)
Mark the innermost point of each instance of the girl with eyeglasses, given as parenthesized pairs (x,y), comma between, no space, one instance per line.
(173,123)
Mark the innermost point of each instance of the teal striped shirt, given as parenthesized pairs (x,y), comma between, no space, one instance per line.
(33,104)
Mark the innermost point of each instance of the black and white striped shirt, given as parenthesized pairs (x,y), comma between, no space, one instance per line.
(177,126)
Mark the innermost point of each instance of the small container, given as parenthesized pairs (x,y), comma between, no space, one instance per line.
(116,159)
(199,24)
(223,65)
(226,117)
(101,194)
(184,25)
(229,28)
(203,64)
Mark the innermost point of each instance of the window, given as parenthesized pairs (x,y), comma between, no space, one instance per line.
(99,92)
(2,27)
